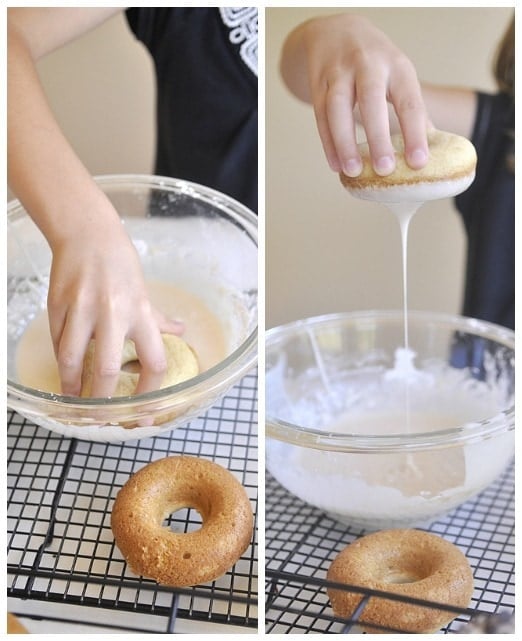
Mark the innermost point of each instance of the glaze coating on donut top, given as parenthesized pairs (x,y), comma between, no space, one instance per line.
(451,157)
(412,563)
(164,487)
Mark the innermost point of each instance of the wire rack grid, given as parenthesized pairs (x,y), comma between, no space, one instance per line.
(301,542)
(63,564)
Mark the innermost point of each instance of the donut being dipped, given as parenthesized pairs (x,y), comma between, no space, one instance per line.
(164,487)
(449,171)
(182,364)
(411,563)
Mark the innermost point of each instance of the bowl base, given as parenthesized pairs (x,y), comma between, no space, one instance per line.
(373,525)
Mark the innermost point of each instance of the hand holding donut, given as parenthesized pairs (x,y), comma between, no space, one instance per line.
(96,284)
(342,62)
(97,290)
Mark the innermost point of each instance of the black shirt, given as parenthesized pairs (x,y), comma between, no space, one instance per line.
(488,212)
(206,71)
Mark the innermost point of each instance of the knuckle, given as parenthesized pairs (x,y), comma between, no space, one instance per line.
(408,104)
(143,306)
(54,302)
(403,65)
(361,59)
(108,369)
(67,361)
(370,93)
(337,96)
(158,366)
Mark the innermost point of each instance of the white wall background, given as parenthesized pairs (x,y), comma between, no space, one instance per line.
(101,89)
(326,251)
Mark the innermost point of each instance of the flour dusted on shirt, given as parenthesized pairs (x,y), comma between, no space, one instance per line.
(242,22)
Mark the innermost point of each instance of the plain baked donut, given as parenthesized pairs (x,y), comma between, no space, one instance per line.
(449,171)
(165,486)
(182,364)
(14,626)
(412,563)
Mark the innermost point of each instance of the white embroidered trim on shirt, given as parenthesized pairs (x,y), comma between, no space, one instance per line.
(242,22)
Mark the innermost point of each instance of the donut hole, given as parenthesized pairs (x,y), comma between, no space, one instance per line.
(132,367)
(404,572)
(184,520)
(401,576)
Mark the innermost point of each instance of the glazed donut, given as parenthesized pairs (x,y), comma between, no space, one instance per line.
(182,364)
(449,171)
(411,563)
(14,626)
(165,486)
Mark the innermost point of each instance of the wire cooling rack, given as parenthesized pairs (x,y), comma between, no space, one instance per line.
(63,565)
(302,541)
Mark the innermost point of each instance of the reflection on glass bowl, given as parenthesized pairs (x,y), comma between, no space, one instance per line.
(187,235)
(375,442)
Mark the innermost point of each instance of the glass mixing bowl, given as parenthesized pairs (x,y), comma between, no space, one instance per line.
(188,236)
(378,436)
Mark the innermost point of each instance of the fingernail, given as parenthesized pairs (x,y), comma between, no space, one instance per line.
(418,158)
(352,167)
(384,165)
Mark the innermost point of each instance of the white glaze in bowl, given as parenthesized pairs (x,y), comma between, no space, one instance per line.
(338,436)
(186,234)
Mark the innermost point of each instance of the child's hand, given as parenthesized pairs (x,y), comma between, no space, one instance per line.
(351,65)
(97,290)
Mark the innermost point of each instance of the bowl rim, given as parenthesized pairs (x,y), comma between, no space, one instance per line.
(220,375)
(320,439)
